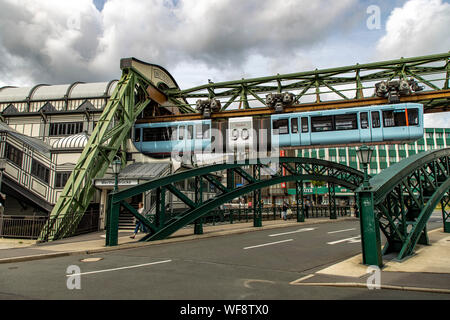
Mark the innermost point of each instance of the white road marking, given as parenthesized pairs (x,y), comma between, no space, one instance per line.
(267,244)
(342,230)
(349,240)
(300,230)
(115,269)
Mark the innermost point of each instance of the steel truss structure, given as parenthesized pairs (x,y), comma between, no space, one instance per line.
(343,86)
(258,174)
(400,201)
(107,140)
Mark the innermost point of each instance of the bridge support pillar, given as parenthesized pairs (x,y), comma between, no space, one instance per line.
(332,200)
(198,227)
(445,207)
(257,200)
(370,231)
(112,222)
(299,201)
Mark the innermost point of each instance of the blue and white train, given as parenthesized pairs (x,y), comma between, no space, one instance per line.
(373,124)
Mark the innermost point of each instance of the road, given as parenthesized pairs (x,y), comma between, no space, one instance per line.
(255,265)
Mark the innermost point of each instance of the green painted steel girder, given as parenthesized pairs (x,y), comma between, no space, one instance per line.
(403,198)
(305,169)
(103,145)
(326,80)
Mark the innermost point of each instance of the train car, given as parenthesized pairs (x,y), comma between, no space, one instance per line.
(163,139)
(393,123)
(383,123)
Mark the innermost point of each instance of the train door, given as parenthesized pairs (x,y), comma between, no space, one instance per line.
(198,138)
(305,131)
(190,138)
(377,131)
(295,132)
(364,128)
(181,145)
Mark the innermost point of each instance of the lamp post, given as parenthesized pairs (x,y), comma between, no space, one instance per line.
(116,164)
(370,230)
(364,155)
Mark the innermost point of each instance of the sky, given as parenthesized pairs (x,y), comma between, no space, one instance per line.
(60,42)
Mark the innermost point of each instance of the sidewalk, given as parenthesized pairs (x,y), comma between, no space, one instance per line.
(428,270)
(15,250)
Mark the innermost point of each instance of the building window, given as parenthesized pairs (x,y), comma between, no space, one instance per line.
(61,179)
(439,134)
(401,147)
(429,135)
(342,159)
(13,154)
(65,128)
(382,159)
(392,159)
(40,171)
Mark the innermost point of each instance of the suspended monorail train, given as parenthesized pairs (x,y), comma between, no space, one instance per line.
(373,124)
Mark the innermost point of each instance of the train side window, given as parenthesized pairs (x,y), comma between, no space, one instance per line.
(205,129)
(413,117)
(181,133)
(137,134)
(281,126)
(346,122)
(364,119)
(376,119)
(320,124)
(294,125)
(305,125)
(198,131)
(190,132)
(396,118)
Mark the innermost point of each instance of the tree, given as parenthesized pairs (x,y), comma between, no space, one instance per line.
(316,184)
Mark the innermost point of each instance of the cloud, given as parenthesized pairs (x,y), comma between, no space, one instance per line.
(64,41)
(420,27)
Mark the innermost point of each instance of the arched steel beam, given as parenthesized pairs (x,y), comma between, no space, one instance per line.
(128,193)
(425,214)
(207,206)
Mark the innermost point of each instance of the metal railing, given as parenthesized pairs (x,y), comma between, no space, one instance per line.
(232,215)
(29,227)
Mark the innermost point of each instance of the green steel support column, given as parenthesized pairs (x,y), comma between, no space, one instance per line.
(332,200)
(299,201)
(257,203)
(230,179)
(112,222)
(370,231)
(198,227)
(160,215)
(445,204)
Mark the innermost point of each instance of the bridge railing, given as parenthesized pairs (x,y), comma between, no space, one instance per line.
(236,215)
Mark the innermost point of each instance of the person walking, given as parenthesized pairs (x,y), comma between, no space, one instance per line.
(284,210)
(138,222)
(307,206)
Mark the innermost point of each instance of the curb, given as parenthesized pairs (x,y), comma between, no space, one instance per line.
(181,238)
(363,285)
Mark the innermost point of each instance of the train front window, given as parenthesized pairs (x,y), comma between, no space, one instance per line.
(413,117)
(346,121)
(305,125)
(320,124)
(364,119)
(281,126)
(376,119)
(137,134)
(394,118)
(294,125)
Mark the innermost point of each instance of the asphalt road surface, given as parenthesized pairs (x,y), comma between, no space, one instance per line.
(255,265)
